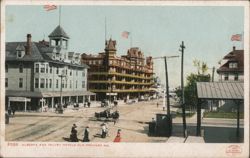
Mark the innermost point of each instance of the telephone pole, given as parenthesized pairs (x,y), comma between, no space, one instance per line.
(182,96)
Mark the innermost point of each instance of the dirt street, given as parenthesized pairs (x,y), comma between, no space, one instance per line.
(48,126)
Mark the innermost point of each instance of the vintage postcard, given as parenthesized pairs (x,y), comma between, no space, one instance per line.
(124,78)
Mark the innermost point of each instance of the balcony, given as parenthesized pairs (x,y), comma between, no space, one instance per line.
(119,82)
(119,90)
(120,74)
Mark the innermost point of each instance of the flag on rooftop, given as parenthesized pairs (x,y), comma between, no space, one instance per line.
(49,7)
(236,37)
(125,34)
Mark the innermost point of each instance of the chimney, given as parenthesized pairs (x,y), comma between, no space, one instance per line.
(28,45)
(233,48)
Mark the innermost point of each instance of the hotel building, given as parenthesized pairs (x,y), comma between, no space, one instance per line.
(113,77)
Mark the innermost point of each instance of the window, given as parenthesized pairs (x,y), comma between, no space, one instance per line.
(62,83)
(57,70)
(50,83)
(83,84)
(6,82)
(76,84)
(42,68)
(70,72)
(56,83)
(70,86)
(50,69)
(66,71)
(66,82)
(236,77)
(36,83)
(42,83)
(46,83)
(226,77)
(21,68)
(47,68)
(83,73)
(19,54)
(20,82)
(6,68)
(76,72)
(37,68)
(233,65)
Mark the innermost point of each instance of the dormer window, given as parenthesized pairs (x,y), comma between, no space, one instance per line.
(233,65)
(19,54)
(20,51)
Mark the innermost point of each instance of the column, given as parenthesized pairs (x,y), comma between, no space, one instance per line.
(89,97)
(52,103)
(25,105)
(8,102)
(238,119)
(198,128)
(42,104)
(76,99)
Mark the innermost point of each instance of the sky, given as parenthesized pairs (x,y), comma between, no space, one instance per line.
(157,30)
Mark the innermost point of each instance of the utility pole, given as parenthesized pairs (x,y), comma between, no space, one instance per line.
(167,87)
(182,88)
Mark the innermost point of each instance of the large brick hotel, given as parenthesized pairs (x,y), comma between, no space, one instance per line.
(113,77)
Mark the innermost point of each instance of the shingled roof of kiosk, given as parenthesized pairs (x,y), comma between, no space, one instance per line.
(220,90)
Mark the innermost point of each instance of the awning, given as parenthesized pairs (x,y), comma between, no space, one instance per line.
(220,90)
(29,94)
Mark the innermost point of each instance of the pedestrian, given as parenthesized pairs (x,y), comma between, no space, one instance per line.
(103,135)
(9,110)
(157,104)
(86,134)
(118,136)
(89,104)
(13,110)
(73,135)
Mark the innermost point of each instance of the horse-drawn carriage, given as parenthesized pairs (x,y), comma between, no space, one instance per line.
(107,114)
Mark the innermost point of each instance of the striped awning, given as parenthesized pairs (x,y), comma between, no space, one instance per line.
(220,90)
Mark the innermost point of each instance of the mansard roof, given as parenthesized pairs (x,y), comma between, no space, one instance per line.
(39,52)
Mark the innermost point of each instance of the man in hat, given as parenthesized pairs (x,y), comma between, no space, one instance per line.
(86,134)
(73,136)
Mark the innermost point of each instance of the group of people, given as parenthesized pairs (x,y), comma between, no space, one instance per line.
(104,133)
(73,135)
(11,110)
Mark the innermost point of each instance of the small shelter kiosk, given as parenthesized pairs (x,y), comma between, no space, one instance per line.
(219,91)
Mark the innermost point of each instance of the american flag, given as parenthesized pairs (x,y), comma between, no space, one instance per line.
(125,34)
(236,37)
(49,7)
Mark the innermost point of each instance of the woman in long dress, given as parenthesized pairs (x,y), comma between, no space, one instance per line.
(118,136)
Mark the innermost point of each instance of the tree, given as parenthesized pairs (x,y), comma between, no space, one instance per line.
(201,66)
(190,90)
